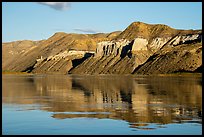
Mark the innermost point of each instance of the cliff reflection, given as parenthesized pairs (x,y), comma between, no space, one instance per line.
(135,99)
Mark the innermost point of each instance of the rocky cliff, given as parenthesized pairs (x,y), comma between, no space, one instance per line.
(137,49)
(53,54)
(140,49)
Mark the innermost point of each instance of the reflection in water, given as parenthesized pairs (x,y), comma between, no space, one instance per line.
(139,100)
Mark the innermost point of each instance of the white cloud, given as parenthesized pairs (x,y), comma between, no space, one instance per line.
(87,30)
(57,5)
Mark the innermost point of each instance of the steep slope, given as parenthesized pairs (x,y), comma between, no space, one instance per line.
(41,58)
(12,50)
(140,49)
(146,31)
(137,44)
(183,58)
(108,57)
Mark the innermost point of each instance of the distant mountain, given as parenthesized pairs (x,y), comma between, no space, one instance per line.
(140,49)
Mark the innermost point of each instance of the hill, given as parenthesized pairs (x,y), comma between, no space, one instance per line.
(140,49)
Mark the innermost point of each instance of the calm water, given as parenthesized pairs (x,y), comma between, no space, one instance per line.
(105,104)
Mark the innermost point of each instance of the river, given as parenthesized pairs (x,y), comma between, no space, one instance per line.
(101,104)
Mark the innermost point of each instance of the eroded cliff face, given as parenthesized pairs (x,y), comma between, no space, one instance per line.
(53,51)
(107,48)
(140,49)
(182,52)
(111,57)
(184,58)
(60,63)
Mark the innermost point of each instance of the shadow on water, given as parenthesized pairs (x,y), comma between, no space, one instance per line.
(138,100)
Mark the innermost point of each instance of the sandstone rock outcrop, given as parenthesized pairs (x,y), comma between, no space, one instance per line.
(107,48)
(127,55)
(140,49)
(185,39)
(185,58)
(60,63)
(139,44)
(55,45)
(110,57)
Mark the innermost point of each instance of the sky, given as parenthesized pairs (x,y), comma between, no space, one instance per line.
(40,20)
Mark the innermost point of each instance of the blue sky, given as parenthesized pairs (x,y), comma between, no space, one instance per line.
(37,21)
